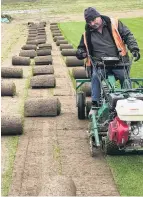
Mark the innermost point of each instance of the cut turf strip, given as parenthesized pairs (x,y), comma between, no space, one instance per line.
(36,107)
(43,81)
(8,88)
(59,186)
(73,61)
(17,60)
(11,72)
(11,125)
(43,60)
(42,70)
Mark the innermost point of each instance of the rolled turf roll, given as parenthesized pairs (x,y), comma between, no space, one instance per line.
(43,60)
(8,88)
(43,81)
(42,107)
(68,52)
(17,60)
(41,41)
(32,35)
(43,52)
(58,42)
(56,34)
(33,42)
(58,186)
(43,70)
(11,124)
(43,33)
(30,23)
(28,53)
(58,38)
(54,27)
(11,72)
(32,32)
(65,46)
(41,37)
(29,47)
(79,73)
(54,23)
(72,61)
(44,46)
(86,87)
(31,39)
(56,31)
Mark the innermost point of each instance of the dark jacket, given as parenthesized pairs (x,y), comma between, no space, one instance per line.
(125,34)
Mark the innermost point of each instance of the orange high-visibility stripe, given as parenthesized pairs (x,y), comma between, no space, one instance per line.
(117,38)
(88,63)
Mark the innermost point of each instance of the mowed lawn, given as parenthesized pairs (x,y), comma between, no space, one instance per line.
(127,170)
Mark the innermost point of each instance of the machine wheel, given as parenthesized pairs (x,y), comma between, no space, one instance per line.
(92,146)
(88,107)
(81,105)
(110,148)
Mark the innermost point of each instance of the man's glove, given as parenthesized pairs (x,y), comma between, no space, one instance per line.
(89,71)
(136,55)
(81,54)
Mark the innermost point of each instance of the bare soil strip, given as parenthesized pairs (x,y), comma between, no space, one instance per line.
(58,145)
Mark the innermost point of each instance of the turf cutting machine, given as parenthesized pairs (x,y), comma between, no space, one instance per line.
(117,125)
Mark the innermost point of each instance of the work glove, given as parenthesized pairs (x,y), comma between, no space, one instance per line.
(89,71)
(81,54)
(136,55)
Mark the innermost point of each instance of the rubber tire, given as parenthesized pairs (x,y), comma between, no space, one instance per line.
(81,105)
(88,107)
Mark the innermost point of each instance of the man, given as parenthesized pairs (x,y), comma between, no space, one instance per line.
(105,37)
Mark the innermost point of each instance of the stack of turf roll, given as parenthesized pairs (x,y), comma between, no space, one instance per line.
(55,30)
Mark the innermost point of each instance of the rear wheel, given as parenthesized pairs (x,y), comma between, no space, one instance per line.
(81,105)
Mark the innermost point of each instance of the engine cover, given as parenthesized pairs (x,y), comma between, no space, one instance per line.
(130,109)
(118,131)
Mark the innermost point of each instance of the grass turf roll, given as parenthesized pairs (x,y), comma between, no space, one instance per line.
(56,31)
(43,81)
(32,35)
(11,72)
(28,53)
(79,73)
(65,46)
(72,61)
(43,70)
(86,87)
(43,52)
(58,42)
(17,60)
(41,41)
(32,42)
(29,47)
(36,107)
(41,37)
(8,88)
(58,186)
(54,23)
(45,46)
(43,60)
(68,52)
(56,34)
(58,38)
(11,124)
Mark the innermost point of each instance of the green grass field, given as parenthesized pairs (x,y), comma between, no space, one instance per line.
(127,170)
(70,7)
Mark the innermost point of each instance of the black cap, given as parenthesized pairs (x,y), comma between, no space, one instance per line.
(90,14)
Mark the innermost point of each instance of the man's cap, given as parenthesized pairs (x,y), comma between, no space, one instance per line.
(90,14)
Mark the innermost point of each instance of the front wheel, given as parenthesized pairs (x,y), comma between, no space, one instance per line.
(81,105)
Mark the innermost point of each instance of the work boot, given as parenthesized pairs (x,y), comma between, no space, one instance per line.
(94,108)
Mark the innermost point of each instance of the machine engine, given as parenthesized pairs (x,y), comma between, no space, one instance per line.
(126,130)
